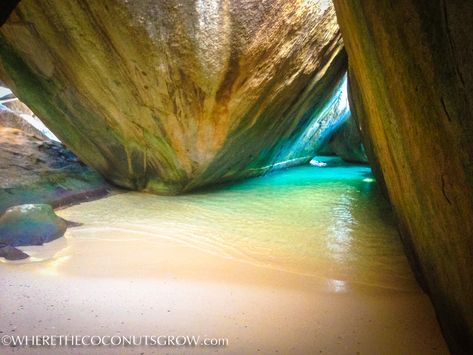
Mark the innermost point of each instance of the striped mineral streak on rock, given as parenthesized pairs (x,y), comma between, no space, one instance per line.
(167,96)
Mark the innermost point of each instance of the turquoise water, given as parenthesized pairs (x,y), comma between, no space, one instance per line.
(328,222)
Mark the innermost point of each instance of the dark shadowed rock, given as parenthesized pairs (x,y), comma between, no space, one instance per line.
(30,225)
(11,253)
(346,143)
(411,83)
(72,224)
(6,7)
(37,170)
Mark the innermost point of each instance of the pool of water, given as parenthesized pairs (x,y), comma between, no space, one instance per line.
(329,222)
(304,251)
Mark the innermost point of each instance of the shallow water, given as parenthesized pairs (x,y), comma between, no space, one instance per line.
(302,261)
(328,222)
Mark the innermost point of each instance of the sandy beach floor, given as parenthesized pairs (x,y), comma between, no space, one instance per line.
(300,262)
(114,285)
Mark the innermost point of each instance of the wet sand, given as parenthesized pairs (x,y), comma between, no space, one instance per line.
(176,275)
(159,288)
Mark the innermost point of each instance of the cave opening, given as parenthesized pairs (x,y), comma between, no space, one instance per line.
(221,171)
(320,228)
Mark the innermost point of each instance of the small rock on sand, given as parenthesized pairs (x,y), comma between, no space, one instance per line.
(30,224)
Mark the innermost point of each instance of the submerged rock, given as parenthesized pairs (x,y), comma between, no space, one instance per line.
(30,225)
(166,96)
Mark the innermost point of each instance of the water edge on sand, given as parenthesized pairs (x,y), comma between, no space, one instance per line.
(305,260)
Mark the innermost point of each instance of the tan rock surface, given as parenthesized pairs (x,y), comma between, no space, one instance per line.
(411,80)
(166,96)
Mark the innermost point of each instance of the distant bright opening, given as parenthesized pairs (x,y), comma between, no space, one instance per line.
(6,97)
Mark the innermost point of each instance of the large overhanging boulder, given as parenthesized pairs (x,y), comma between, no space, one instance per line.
(166,96)
(411,81)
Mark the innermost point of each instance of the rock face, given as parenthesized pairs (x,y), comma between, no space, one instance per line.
(35,169)
(166,96)
(12,119)
(6,7)
(411,81)
(15,114)
(30,225)
(11,253)
(346,142)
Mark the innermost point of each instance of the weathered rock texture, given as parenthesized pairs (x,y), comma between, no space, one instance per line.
(34,169)
(166,96)
(346,142)
(15,114)
(411,80)
(13,119)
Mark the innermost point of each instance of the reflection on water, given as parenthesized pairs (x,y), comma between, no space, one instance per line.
(329,222)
